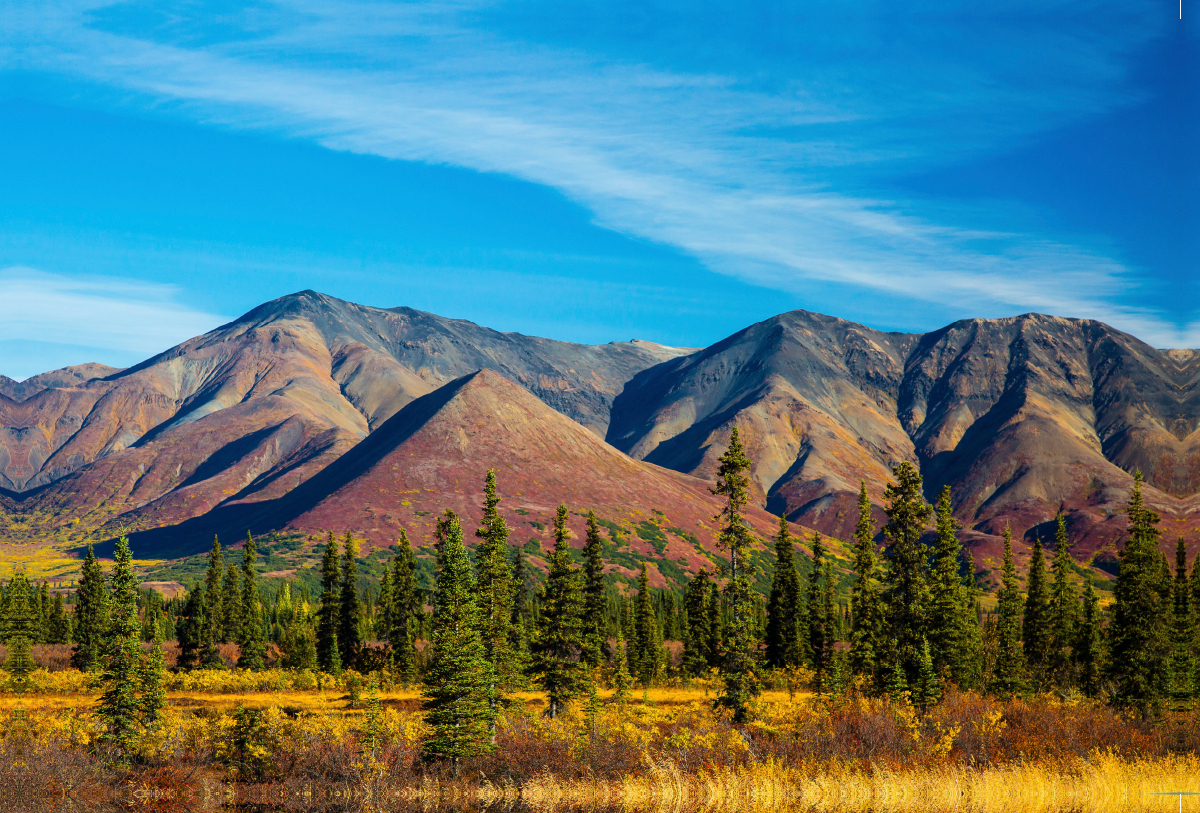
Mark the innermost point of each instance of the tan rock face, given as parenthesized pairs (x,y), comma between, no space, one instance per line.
(1019,416)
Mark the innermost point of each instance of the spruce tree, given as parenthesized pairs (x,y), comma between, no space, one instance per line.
(1138,633)
(349,640)
(1087,652)
(214,610)
(645,658)
(819,643)
(556,648)
(1008,675)
(866,608)
(595,634)
(329,612)
(121,709)
(252,644)
(782,638)
(1064,611)
(733,483)
(457,683)
(495,590)
(1036,629)
(716,628)
(906,597)
(189,628)
(232,606)
(405,611)
(1182,633)
(20,631)
(928,688)
(90,615)
(948,626)
(59,623)
(696,657)
(969,674)
(153,694)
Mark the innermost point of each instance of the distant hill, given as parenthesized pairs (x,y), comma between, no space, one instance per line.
(311,414)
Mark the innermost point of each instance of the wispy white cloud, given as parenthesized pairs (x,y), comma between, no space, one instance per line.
(769,182)
(107,313)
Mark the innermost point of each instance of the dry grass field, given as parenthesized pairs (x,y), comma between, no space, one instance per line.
(664,749)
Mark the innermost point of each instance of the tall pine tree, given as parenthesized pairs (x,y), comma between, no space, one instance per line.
(645,658)
(1036,629)
(733,483)
(1008,674)
(1087,652)
(595,634)
(349,640)
(1183,662)
(696,657)
(558,643)
(1139,642)
(866,608)
(495,590)
(90,615)
(330,611)
(405,611)
(820,644)
(906,596)
(783,606)
(950,613)
(1064,611)
(252,643)
(457,684)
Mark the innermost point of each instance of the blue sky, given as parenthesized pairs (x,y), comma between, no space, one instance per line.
(593,171)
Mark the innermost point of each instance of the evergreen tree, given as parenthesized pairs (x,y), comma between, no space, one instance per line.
(151,674)
(733,483)
(457,683)
(716,628)
(866,609)
(645,660)
(232,606)
(189,628)
(122,709)
(214,579)
(1063,610)
(405,611)
(906,597)
(1036,629)
(949,625)
(595,634)
(556,648)
(1008,675)
(970,656)
(59,624)
(329,613)
(349,640)
(20,616)
(252,645)
(1182,632)
(299,646)
(928,688)
(495,591)
(696,657)
(819,642)
(1138,633)
(1087,648)
(383,621)
(90,615)
(783,634)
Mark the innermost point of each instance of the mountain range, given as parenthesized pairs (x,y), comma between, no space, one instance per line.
(310,414)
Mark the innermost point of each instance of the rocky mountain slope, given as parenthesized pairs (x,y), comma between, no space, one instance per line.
(311,414)
(1020,417)
(257,406)
(432,456)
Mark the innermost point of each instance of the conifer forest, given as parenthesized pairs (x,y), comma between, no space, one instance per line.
(486,681)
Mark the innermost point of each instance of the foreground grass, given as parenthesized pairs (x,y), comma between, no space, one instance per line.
(308,750)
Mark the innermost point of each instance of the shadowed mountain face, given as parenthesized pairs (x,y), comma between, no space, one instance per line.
(254,408)
(432,456)
(1019,416)
(310,414)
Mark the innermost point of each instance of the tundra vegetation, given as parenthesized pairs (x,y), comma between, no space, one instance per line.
(483,686)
